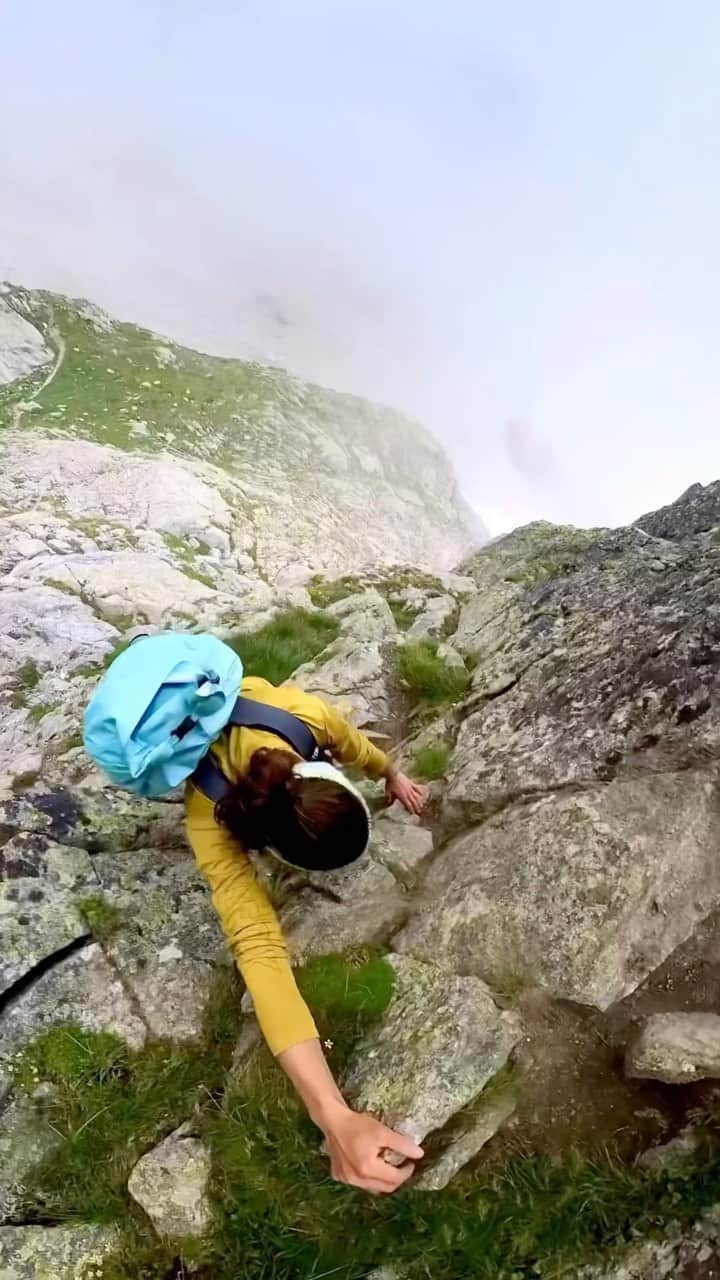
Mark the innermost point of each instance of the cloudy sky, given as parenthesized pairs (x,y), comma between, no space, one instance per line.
(502,217)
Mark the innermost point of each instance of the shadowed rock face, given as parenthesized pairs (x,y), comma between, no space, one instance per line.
(615,666)
(696,511)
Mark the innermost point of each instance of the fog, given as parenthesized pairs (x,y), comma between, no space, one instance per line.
(500,218)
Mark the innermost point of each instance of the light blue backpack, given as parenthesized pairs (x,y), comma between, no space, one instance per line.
(161,704)
(164,701)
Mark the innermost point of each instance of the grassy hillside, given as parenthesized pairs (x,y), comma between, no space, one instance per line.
(122,385)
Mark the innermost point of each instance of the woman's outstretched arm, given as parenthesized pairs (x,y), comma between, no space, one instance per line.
(355,1141)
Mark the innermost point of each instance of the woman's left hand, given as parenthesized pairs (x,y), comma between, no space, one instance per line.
(412,795)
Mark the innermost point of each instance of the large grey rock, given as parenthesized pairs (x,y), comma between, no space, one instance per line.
(361,904)
(506,568)
(676,1048)
(434,617)
(27,1140)
(46,627)
(41,887)
(354,671)
(440,1041)
(22,347)
(97,819)
(83,989)
(614,666)
(120,584)
(55,1253)
(171,1184)
(586,893)
(169,940)
(97,481)
(696,511)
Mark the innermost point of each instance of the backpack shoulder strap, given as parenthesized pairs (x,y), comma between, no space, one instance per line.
(209,778)
(249,714)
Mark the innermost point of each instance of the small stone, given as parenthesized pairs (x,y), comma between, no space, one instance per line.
(676,1048)
(673,1154)
(171,1184)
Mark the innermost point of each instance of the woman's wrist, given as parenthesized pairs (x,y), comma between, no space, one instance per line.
(327,1111)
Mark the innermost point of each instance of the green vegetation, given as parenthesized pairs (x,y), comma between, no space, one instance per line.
(58,585)
(121,385)
(120,647)
(323,593)
(403,614)
(39,710)
(112,1104)
(278,1214)
(429,680)
(26,679)
(102,918)
(432,762)
(281,1218)
(284,644)
(186,554)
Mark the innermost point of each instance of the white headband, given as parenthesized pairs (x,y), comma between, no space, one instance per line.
(323,769)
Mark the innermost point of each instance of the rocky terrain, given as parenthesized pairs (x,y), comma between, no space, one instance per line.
(527,978)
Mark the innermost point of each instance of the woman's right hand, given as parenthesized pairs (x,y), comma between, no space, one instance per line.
(356,1143)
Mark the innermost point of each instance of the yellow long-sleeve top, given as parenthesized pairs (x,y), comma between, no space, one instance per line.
(246,914)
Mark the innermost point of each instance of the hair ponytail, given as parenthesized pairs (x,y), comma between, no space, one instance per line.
(260,800)
(311,822)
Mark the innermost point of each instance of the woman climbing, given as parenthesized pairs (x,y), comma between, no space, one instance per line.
(267,781)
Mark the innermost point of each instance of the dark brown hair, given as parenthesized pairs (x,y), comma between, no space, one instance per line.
(311,822)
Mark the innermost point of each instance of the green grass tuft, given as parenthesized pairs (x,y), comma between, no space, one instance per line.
(39,710)
(27,677)
(284,644)
(323,593)
(429,680)
(279,1216)
(102,918)
(432,762)
(112,1104)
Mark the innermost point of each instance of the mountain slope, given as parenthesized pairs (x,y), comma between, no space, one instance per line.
(323,480)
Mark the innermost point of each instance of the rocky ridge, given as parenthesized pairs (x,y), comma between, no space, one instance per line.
(569,856)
